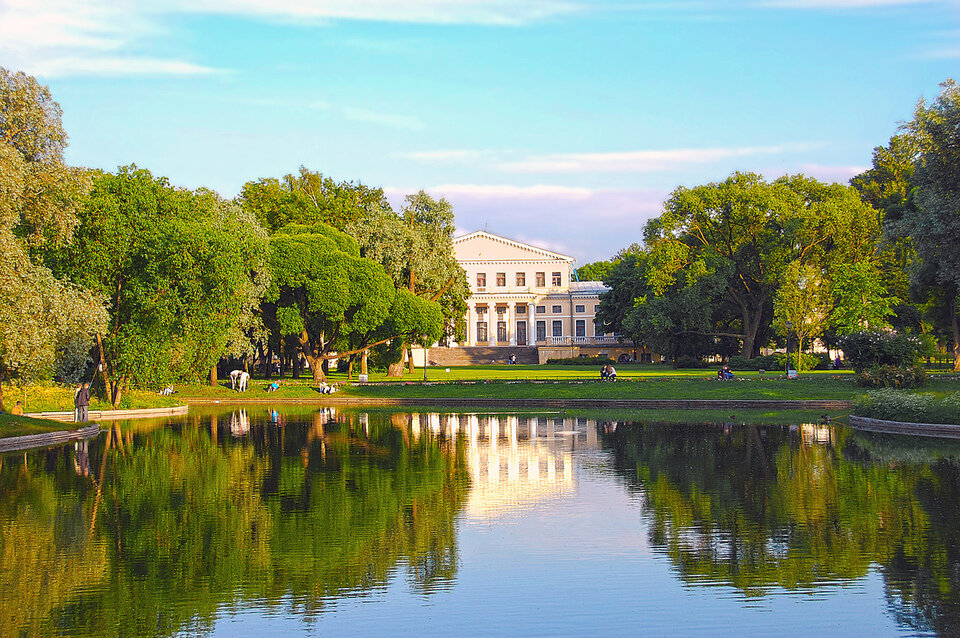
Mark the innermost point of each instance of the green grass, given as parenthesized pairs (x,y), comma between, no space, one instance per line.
(11,425)
(571,382)
(59,398)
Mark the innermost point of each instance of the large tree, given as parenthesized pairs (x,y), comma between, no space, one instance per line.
(749,231)
(336,302)
(415,247)
(914,182)
(308,197)
(181,269)
(41,318)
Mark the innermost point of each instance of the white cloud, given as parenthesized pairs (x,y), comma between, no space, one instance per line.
(94,65)
(391,120)
(832,173)
(588,224)
(839,4)
(645,161)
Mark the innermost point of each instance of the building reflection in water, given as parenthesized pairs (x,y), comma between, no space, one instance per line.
(513,461)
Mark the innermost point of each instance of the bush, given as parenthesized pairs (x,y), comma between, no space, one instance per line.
(777,362)
(916,408)
(690,362)
(582,361)
(873,349)
(891,377)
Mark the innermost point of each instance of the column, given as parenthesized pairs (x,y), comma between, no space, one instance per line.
(470,336)
(511,324)
(532,324)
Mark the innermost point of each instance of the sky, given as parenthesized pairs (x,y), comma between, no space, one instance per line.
(562,123)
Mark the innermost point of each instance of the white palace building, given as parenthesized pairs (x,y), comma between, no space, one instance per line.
(525,301)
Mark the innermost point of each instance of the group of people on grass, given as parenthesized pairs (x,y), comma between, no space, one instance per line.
(608,373)
(725,373)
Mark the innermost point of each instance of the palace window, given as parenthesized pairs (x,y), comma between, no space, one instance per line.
(501,279)
(522,309)
(501,331)
(541,331)
(521,279)
(579,308)
(481,331)
(557,328)
(556,279)
(481,310)
(541,279)
(596,309)
(501,310)
(581,328)
(557,310)
(541,310)
(481,280)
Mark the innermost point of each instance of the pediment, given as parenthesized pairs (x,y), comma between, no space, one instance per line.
(484,246)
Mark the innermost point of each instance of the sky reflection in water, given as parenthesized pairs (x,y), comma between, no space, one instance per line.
(258,523)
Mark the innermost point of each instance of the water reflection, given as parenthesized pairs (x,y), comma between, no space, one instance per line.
(151,532)
(802,509)
(166,527)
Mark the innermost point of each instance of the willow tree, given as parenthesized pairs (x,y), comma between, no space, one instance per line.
(42,319)
(415,247)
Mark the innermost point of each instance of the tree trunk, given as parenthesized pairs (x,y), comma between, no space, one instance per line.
(108,388)
(751,324)
(410,359)
(350,369)
(363,362)
(2,377)
(213,376)
(395,370)
(316,367)
(268,372)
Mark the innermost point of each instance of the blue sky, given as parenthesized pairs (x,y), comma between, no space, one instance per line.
(559,122)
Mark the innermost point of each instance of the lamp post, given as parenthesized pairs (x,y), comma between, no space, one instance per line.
(789,325)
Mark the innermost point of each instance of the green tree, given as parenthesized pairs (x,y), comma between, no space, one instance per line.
(308,197)
(415,248)
(804,300)
(595,271)
(181,270)
(41,318)
(749,230)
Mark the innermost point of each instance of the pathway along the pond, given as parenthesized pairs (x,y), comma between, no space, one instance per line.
(649,404)
(46,439)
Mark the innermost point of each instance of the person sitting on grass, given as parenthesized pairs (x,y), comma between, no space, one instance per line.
(603,373)
(611,373)
(17,409)
(273,387)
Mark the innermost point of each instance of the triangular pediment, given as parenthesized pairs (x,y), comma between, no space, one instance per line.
(484,246)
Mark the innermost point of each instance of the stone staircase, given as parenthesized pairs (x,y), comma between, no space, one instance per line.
(482,355)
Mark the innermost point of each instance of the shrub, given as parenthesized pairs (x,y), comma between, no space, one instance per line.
(582,361)
(872,349)
(891,377)
(901,406)
(690,362)
(777,362)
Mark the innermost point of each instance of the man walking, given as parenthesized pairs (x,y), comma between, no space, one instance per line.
(81,402)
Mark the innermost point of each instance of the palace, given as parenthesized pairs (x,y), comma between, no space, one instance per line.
(526,301)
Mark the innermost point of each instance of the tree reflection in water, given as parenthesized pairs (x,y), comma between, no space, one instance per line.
(758,508)
(168,527)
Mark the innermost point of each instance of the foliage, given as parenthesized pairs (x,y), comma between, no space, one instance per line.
(804,301)
(888,376)
(748,232)
(595,271)
(45,323)
(871,349)
(892,405)
(308,197)
(691,362)
(182,270)
(582,361)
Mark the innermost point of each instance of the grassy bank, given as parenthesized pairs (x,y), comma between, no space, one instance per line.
(59,398)
(570,382)
(11,425)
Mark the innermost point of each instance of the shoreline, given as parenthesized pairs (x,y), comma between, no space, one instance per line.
(885,426)
(99,415)
(47,439)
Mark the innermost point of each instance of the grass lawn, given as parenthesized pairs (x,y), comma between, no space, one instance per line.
(558,382)
(59,398)
(11,425)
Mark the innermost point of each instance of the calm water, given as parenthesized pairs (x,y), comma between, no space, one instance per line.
(261,523)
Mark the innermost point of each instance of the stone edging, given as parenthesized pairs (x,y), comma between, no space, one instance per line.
(941,430)
(46,439)
(650,404)
(101,415)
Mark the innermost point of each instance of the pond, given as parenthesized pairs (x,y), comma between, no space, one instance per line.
(299,520)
